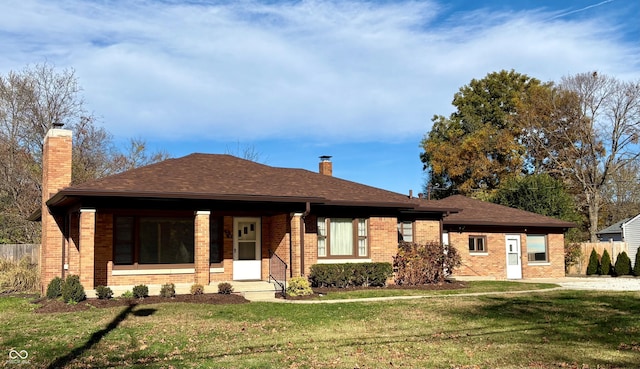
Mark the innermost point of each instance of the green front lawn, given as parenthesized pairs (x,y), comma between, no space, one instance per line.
(471,287)
(549,329)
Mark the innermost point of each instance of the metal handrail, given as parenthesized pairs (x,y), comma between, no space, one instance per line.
(280,268)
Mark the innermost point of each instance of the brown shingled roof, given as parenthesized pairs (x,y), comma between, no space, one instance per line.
(213,176)
(477,212)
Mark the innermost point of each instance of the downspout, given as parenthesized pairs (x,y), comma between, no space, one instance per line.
(302,232)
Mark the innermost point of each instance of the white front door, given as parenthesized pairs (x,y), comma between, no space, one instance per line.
(247,258)
(514,265)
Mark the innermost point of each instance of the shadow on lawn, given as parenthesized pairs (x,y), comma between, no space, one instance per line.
(99,335)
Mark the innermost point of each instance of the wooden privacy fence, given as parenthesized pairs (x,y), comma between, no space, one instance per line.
(613,248)
(15,252)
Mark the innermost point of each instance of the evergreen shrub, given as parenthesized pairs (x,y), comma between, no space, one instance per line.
(594,262)
(54,289)
(346,275)
(168,290)
(299,286)
(140,291)
(623,265)
(72,290)
(104,293)
(605,263)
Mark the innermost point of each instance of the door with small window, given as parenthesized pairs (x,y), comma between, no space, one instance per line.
(514,264)
(247,258)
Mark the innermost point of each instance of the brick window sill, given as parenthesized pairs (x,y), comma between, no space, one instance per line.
(479,253)
(539,264)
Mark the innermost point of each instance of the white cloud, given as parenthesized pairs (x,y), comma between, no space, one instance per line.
(312,69)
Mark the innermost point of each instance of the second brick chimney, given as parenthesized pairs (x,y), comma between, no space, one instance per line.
(326,167)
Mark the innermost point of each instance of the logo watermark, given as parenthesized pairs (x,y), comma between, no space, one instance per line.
(18,357)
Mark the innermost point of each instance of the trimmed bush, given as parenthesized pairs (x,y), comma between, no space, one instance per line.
(197,289)
(104,293)
(418,264)
(636,266)
(350,274)
(54,289)
(299,286)
(72,290)
(140,291)
(594,263)
(168,290)
(225,288)
(623,264)
(605,263)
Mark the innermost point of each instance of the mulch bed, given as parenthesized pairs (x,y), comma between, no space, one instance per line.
(58,306)
(317,291)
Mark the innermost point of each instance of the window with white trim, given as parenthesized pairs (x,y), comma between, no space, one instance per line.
(477,244)
(537,248)
(343,238)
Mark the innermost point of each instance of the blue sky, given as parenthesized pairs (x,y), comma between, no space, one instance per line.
(358,80)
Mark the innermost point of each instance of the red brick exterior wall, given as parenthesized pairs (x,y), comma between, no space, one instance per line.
(87,247)
(56,169)
(201,247)
(383,239)
(426,231)
(493,262)
(103,246)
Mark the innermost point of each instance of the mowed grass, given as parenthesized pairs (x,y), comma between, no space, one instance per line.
(472,287)
(539,330)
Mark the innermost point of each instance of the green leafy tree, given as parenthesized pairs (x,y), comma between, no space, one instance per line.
(594,262)
(584,131)
(478,146)
(605,264)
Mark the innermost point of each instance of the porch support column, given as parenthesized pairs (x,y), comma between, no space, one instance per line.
(296,230)
(87,247)
(201,246)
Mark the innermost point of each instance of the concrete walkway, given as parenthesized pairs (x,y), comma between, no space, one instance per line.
(567,283)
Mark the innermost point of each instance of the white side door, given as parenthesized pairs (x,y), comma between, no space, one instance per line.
(247,257)
(514,264)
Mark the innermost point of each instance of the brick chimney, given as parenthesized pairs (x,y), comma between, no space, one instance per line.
(326,166)
(56,175)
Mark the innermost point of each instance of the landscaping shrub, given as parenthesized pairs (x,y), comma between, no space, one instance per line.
(72,290)
(417,264)
(127,295)
(605,264)
(197,289)
(623,264)
(299,286)
(572,253)
(140,291)
(350,274)
(104,293)
(225,288)
(594,263)
(636,266)
(168,290)
(54,289)
(21,276)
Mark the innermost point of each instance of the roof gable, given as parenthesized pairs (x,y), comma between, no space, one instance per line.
(477,212)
